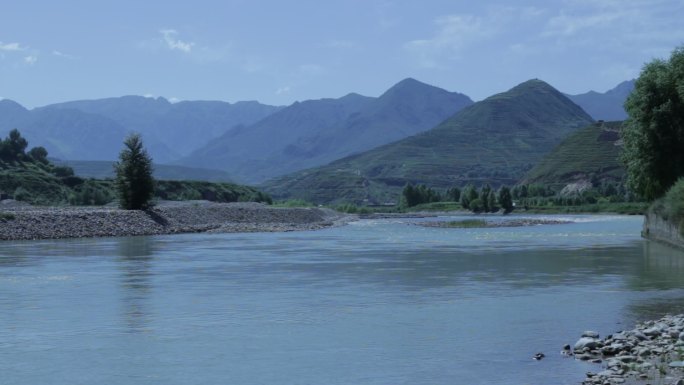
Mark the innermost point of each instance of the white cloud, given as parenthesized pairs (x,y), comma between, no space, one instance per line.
(340,44)
(64,55)
(11,47)
(283,90)
(31,59)
(311,69)
(175,44)
(634,24)
(455,33)
(150,96)
(173,100)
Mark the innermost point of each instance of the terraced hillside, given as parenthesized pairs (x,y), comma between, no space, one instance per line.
(590,153)
(494,141)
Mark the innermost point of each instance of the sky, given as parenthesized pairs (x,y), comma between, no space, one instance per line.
(278,52)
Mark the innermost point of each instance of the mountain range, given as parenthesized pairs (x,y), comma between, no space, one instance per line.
(316,132)
(608,105)
(95,129)
(493,141)
(253,142)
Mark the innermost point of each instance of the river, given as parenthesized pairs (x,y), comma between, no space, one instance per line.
(373,302)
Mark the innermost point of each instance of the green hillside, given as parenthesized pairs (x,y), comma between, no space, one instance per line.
(494,141)
(591,153)
(30,177)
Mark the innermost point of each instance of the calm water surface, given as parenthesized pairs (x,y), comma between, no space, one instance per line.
(375,302)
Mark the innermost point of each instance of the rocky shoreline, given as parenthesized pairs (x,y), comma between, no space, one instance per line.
(24,222)
(651,353)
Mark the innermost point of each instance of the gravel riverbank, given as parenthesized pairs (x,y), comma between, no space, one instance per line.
(651,353)
(18,222)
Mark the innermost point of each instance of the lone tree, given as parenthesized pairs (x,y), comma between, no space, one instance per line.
(654,133)
(134,181)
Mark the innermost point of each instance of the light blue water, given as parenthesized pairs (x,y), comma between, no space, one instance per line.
(375,302)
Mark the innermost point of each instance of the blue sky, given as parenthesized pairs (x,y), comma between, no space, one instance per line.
(281,51)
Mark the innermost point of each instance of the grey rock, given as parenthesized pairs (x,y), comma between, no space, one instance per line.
(676,364)
(586,343)
(590,334)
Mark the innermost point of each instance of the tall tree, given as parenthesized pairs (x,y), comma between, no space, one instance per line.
(505,199)
(491,202)
(654,133)
(468,195)
(134,181)
(484,197)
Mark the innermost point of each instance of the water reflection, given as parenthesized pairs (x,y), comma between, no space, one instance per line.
(661,269)
(135,260)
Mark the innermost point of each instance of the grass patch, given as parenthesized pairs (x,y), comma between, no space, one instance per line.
(4,217)
(629,208)
(437,206)
(294,203)
(467,224)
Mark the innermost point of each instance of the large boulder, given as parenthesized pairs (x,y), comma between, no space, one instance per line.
(586,342)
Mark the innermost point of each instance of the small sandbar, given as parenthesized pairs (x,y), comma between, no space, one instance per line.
(483,223)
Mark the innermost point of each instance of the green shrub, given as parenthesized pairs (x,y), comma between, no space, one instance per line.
(476,206)
(21,194)
(673,202)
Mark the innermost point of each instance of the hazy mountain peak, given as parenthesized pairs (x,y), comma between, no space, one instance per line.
(10,106)
(606,106)
(409,85)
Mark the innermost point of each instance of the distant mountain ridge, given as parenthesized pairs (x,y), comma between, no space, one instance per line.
(316,132)
(606,106)
(104,169)
(493,141)
(179,127)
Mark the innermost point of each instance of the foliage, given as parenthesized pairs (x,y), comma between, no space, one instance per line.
(35,180)
(294,203)
(21,194)
(673,202)
(12,148)
(468,195)
(476,206)
(216,192)
(353,209)
(39,154)
(63,171)
(134,181)
(437,206)
(505,199)
(654,133)
(484,197)
(92,193)
(453,194)
(592,152)
(412,196)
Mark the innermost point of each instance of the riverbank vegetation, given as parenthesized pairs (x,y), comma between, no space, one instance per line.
(654,133)
(29,176)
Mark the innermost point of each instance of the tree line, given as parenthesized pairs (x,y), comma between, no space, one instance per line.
(484,200)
